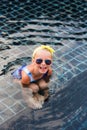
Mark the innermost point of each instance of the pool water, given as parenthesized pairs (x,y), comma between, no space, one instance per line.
(62,25)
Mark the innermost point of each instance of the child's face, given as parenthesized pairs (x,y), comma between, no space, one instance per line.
(42,61)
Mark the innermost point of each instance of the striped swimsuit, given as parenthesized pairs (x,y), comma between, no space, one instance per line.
(17,73)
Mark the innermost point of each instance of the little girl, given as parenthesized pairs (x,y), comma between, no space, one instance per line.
(36,76)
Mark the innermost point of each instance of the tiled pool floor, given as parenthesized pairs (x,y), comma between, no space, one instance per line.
(68,90)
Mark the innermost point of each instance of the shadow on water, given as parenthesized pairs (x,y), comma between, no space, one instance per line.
(65,110)
(4,47)
(11,65)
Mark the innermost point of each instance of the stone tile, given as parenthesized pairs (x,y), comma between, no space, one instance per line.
(18,107)
(82,67)
(81,58)
(11,90)
(70,44)
(7,114)
(68,75)
(9,101)
(75,71)
(2,107)
(85,54)
(74,62)
(67,57)
(68,66)
(1,120)
(3,95)
(3,85)
(58,53)
(65,50)
(74,53)
(59,62)
(79,51)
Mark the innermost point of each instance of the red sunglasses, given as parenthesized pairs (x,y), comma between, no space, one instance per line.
(47,62)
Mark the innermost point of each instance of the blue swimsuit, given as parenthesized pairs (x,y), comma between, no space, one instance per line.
(17,73)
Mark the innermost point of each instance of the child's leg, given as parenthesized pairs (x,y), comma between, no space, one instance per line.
(31,96)
(34,87)
(44,87)
(46,93)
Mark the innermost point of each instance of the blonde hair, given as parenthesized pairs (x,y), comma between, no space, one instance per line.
(48,48)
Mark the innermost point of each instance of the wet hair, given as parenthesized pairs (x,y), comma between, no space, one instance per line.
(42,47)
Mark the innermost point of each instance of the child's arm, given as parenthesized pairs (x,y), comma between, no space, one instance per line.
(25,80)
(49,74)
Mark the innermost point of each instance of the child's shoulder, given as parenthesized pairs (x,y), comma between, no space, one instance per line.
(25,74)
(25,78)
(50,71)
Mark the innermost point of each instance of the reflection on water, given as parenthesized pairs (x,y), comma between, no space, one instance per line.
(38,22)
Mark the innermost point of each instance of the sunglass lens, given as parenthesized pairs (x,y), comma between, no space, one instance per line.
(39,61)
(48,62)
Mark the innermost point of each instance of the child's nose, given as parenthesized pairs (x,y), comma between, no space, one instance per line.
(43,62)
